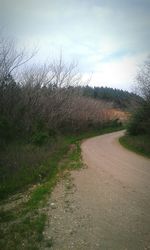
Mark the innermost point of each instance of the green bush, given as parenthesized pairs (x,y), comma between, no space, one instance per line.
(140,121)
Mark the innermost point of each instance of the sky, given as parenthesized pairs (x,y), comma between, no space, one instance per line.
(108,38)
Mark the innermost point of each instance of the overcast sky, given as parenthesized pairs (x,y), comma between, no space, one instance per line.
(109,38)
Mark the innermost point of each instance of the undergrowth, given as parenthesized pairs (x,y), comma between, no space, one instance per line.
(22,227)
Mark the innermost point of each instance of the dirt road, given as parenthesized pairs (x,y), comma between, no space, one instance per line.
(104,206)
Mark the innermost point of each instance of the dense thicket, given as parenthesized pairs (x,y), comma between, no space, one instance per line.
(119,98)
(43,100)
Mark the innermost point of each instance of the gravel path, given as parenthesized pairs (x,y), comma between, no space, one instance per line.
(104,206)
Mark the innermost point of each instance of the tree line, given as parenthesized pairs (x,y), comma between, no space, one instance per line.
(119,98)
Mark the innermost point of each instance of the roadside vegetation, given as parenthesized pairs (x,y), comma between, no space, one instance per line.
(41,107)
(44,115)
(22,223)
(137,137)
(139,144)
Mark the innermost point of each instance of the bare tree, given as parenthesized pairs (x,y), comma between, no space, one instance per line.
(10,58)
(10,91)
(45,94)
(140,120)
(143,80)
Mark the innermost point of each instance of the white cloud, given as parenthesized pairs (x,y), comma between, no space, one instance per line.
(116,74)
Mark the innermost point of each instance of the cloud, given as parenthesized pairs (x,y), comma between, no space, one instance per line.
(118,73)
(104,36)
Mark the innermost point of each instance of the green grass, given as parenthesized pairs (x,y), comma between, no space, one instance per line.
(139,144)
(26,234)
(71,160)
(25,164)
(22,227)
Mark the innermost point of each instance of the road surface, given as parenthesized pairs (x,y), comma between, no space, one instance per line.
(108,206)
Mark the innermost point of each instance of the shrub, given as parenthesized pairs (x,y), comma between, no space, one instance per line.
(140,121)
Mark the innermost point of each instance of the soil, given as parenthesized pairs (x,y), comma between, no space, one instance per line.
(105,205)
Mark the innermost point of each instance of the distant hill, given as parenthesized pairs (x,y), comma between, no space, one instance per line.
(120,98)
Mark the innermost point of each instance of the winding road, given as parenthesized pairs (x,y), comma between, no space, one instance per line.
(109,208)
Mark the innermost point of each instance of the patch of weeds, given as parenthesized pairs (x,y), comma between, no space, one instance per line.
(38,196)
(25,234)
(74,156)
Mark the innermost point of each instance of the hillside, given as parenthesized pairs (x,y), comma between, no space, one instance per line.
(119,98)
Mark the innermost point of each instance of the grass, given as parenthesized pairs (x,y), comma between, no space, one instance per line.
(69,161)
(139,144)
(22,227)
(25,164)
(26,234)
